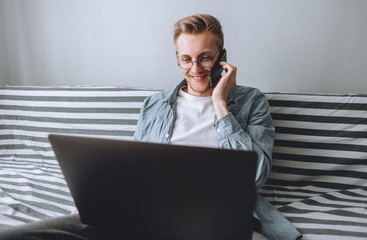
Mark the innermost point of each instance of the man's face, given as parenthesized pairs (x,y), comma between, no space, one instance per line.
(194,47)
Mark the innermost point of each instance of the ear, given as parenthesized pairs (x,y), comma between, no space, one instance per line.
(177,57)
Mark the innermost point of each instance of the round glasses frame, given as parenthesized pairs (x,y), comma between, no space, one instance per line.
(201,62)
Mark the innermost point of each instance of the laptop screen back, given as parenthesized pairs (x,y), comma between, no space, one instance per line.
(159,191)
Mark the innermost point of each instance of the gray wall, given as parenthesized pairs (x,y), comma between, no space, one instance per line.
(285,45)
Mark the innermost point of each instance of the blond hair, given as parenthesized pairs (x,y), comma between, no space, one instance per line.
(199,23)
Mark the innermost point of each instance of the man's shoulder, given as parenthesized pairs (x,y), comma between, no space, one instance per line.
(246,92)
(164,95)
(159,96)
(245,89)
(157,100)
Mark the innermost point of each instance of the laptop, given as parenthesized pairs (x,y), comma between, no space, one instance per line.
(138,190)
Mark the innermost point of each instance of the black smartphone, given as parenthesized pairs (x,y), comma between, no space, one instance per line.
(217,69)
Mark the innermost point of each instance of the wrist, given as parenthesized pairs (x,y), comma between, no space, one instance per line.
(220,108)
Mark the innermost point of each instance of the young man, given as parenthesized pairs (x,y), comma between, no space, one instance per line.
(196,113)
(225,115)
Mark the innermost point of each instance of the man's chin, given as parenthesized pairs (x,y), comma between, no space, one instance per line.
(200,90)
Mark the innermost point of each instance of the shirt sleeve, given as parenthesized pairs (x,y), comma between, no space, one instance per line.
(254,132)
(138,134)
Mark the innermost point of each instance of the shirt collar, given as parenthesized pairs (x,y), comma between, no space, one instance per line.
(172,96)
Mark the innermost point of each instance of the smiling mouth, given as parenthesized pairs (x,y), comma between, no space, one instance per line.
(200,77)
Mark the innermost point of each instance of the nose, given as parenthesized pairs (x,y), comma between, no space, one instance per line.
(196,67)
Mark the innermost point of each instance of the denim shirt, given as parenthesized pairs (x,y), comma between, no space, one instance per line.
(247,126)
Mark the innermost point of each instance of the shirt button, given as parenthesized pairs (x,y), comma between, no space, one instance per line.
(167,135)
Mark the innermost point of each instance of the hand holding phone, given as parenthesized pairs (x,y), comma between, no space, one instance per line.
(217,69)
(224,87)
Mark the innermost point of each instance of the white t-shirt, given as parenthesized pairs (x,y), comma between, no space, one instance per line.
(194,124)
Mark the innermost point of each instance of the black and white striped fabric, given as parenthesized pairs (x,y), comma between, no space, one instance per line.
(319,177)
(319,174)
(32,186)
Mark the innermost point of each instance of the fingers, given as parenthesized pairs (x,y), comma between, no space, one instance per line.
(231,72)
(75,212)
(228,67)
(227,82)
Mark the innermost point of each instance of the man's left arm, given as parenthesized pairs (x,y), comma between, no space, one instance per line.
(250,129)
(255,134)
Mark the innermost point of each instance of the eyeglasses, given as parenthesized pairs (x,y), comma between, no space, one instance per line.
(204,61)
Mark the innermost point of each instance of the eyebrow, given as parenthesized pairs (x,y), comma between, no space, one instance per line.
(201,54)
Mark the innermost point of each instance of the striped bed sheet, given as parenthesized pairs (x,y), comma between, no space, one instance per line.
(319,176)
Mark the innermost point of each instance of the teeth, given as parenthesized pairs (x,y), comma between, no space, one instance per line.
(197,77)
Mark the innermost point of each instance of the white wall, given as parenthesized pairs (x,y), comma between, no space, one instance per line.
(284,45)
